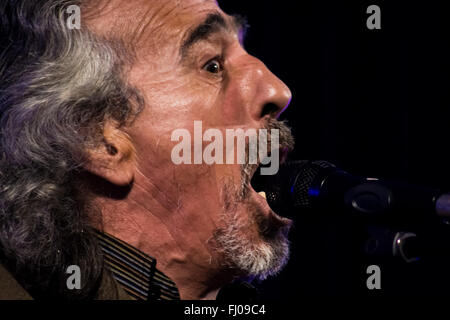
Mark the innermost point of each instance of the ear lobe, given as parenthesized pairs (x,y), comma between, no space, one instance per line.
(113,159)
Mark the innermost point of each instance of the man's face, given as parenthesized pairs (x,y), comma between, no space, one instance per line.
(191,66)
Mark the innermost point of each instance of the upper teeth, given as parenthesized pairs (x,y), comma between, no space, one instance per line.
(262,194)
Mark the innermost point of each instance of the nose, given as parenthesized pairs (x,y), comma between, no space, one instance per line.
(271,95)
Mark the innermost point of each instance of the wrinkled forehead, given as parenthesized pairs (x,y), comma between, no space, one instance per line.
(144,22)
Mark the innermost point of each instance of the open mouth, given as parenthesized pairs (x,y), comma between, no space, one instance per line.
(262,195)
(259,182)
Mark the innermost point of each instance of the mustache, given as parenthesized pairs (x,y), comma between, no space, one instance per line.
(287,141)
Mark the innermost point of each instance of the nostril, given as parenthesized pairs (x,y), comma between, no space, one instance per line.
(270,109)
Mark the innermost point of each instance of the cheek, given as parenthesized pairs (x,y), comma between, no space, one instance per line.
(172,103)
(175,101)
(170,107)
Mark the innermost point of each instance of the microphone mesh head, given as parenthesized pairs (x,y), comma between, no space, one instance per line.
(304,179)
(290,188)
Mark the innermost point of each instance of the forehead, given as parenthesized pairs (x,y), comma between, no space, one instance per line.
(145,22)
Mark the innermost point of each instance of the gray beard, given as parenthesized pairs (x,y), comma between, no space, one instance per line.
(270,254)
(260,259)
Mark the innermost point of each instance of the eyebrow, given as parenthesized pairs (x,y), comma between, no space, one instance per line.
(213,23)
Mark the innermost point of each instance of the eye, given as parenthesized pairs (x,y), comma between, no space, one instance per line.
(213,66)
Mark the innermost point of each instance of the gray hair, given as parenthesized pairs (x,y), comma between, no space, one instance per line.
(57,88)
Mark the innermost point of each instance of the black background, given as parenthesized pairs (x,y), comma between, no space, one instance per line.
(373,102)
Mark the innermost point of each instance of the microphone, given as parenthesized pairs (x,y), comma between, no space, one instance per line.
(307,184)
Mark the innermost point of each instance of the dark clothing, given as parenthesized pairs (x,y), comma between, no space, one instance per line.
(129,274)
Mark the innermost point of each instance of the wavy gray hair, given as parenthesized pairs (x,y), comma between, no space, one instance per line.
(57,87)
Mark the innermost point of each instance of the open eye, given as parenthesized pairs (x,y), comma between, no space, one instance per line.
(213,66)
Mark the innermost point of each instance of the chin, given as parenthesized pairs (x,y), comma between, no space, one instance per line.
(252,239)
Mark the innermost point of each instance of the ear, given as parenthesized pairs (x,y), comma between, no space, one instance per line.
(113,158)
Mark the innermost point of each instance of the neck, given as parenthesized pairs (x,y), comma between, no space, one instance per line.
(177,238)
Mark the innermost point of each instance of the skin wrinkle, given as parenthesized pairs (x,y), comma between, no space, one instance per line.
(179,246)
(144,26)
(169,226)
(170,205)
(169,209)
(218,27)
(145,207)
(180,208)
(125,221)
